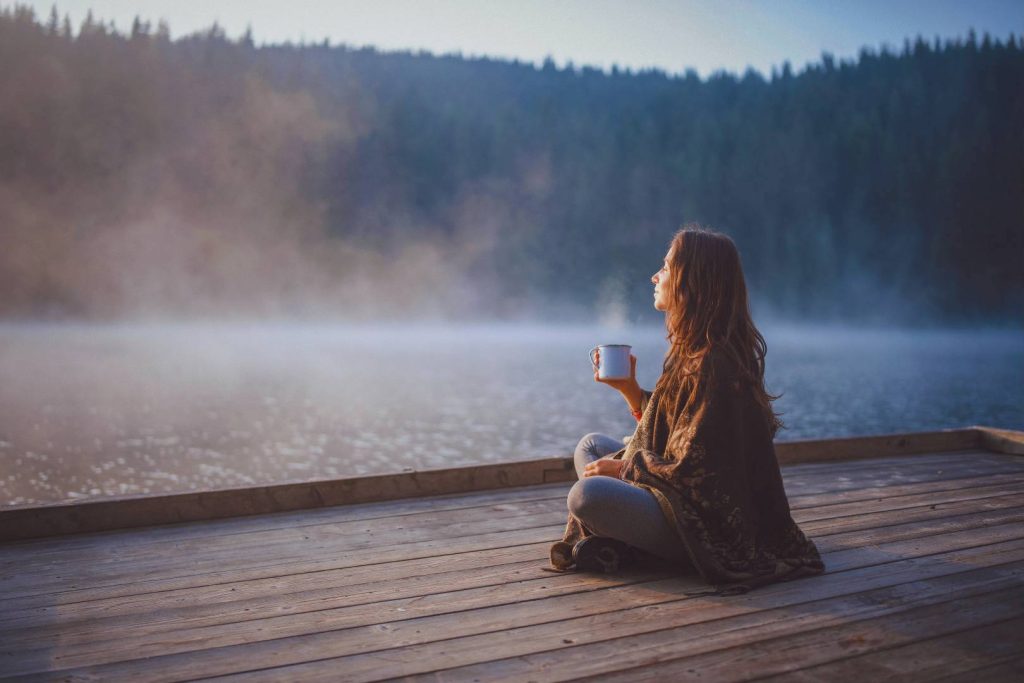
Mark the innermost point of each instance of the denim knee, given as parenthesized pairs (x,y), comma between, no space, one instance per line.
(586,444)
(587,497)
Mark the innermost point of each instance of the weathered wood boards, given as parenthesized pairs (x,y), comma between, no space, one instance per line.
(924,560)
(126,512)
(22,522)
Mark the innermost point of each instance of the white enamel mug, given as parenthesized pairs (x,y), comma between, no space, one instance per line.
(614,361)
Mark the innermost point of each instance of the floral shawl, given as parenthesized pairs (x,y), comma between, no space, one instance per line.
(717,480)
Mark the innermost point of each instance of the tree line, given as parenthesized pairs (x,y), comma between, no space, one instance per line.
(207,175)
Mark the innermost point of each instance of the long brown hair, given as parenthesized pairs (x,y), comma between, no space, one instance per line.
(708,311)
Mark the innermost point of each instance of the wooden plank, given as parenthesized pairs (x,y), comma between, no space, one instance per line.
(169,562)
(886,503)
(22,611)
(114,539)
(869,522)
(1001,440)
(33,521)
(352,534)
(632,655)
(150,615)
(736,633)
(384,530)
(127,646)
(964,463)
(784,655)
(297,519)
(25,551)
(963,652)
(121,568)
(20,522)
(797,502)
(246,600)
(205,652)
(129,582)
(799,479)
(940,517)
(150,596)
(237,586)
(1008,671)
(818,479)
(856,447)
(303,551)
(365,536)
(867,530)
(409,647)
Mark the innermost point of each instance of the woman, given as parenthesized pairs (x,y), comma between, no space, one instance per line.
(698,484)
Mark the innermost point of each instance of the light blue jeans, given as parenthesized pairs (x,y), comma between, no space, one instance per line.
(617,509)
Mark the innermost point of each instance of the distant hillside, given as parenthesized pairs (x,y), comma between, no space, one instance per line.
(207,176)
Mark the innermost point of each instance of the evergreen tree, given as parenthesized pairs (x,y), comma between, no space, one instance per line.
(895,175)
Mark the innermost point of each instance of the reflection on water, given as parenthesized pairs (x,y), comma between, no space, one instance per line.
(92,411)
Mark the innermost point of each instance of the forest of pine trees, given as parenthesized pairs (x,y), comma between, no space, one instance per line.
(208,176)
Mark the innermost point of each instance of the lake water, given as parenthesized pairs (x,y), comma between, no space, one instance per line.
(94,411)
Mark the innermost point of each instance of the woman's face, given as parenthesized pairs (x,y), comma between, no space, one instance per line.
(660,280)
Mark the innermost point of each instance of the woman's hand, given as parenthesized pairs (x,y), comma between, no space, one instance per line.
(623,385)
(629,388)
(605,467)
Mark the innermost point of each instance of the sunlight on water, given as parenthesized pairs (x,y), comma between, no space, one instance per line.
(92,411)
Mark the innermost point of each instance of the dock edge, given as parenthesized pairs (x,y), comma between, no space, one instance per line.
(123,512)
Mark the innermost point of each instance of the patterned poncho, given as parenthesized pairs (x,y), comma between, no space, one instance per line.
(715,475)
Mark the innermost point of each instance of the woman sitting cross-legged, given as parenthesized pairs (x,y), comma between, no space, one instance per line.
(698,484)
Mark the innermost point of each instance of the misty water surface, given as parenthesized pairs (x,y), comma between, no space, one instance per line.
(92,411)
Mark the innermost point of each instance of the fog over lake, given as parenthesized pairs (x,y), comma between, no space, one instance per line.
(89,411)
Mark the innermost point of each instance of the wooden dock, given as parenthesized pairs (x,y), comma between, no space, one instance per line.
(922,536)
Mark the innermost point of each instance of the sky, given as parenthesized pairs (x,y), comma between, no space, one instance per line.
(672,35)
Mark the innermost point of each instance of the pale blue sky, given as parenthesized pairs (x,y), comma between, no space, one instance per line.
(671,35)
